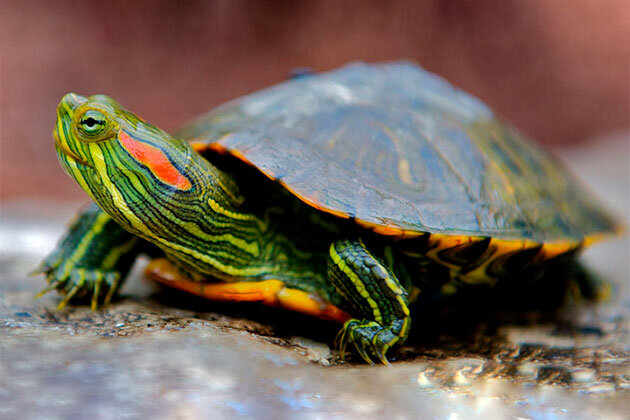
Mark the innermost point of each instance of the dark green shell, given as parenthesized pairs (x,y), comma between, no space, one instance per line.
(394,145)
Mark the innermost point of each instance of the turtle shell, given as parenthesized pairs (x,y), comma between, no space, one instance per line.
(403,152)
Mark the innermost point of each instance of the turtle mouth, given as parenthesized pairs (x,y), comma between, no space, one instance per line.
(70,154)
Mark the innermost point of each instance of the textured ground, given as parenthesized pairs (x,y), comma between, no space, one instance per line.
(154,354)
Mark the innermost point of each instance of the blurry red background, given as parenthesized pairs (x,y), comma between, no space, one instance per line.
(558,69)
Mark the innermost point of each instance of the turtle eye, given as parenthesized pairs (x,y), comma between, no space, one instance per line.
(92,123)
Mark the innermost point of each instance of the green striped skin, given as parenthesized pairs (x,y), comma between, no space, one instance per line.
(364,280)
(206,227)
(219,219)
(203,229)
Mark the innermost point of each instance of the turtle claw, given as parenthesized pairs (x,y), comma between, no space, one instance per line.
(113,280)
(51,286)
(340,341)
(363,354)
(368,337)
(69,296)
(96,294)
(80,283)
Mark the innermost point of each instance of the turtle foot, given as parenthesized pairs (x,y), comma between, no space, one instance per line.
(91,260)
(369,339)
(77,284)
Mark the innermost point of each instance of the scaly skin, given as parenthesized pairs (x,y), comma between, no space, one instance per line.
(161,191)
(374,292)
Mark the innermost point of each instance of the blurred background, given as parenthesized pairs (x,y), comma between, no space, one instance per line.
(557,69)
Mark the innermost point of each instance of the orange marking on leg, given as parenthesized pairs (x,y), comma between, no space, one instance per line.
(267,292)
(154,159)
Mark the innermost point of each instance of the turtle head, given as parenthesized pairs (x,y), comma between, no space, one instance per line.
(124,163)
(155,186)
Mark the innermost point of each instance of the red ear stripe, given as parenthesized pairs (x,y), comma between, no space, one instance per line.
(154,159)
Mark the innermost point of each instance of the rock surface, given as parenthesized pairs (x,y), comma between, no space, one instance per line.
(158,354)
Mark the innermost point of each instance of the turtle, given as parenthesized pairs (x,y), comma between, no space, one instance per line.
(347,195)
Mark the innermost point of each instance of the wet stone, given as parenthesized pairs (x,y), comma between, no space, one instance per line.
(583,375)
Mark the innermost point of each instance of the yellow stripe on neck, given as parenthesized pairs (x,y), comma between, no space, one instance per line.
(119,202)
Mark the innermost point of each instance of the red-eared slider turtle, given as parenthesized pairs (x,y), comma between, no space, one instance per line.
(346,195)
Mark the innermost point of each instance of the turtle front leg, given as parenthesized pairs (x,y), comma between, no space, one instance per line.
(374,292)
(91,260)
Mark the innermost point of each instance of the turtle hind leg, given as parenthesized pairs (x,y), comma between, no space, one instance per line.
(270,292)
(375,293)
